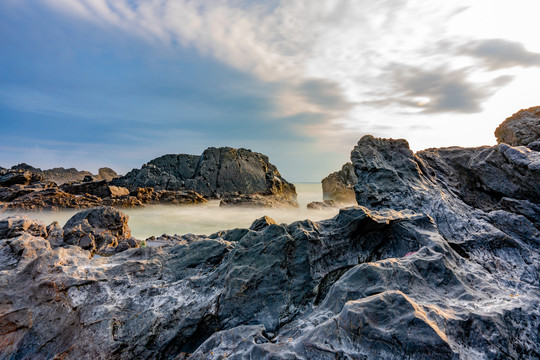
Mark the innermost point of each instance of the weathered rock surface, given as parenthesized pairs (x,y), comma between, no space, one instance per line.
(268,201)
(444,264)
(217,173)
(101,230)
(338,186)
(521,129)
(28,191)
(326,204)
(61,175)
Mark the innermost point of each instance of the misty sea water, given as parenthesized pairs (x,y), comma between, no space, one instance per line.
(203,219)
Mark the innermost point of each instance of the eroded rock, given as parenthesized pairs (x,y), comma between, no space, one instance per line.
(521,129)
(339,186)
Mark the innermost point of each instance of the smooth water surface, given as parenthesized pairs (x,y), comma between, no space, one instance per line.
(202,219)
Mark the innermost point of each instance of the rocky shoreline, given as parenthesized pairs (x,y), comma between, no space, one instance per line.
(439,259)
(239,177)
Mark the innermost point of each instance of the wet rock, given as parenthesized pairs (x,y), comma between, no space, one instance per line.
(522,128)
(338,186)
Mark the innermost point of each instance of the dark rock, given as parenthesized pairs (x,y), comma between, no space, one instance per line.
(98,230)
(52,199)
(15,226)
(97,188)
(216,173)
(268,201)
(262,223)
(522,128)
(16,177)
(326,204)
(338,186)
(446,265)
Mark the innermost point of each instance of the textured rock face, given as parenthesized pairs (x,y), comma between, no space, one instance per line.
(444,264)
(218,172)
(23,190)
(366,284)
(338,186)
(61,175)
(521,129)
(100,230)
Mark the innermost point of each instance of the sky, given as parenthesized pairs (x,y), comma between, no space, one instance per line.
(93,83)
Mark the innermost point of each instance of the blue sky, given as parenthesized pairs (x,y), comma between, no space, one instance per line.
(91,83)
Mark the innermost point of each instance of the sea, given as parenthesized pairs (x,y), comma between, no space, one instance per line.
(201,219)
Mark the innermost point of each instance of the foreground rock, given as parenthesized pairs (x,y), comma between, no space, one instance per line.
(338,186)
(102,230)
(521,129)
(445,264)
(217,173)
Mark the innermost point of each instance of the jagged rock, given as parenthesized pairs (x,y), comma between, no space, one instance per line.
(9,178)
(446,265)
(262,223)
(107,174)
(61,175)
(218,172)
(366,284)
(151,196)
(320,205)
(338,186)
(522,128)
(52,199)
(99,230)
(15,226)
(97,188)
(268,201)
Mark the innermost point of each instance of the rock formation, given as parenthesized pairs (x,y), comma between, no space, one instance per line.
(24,190)
(338,186)
(521,129)
(441,260)
(217,173)
(61,175)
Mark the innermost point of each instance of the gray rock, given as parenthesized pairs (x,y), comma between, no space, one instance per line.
(522,128)
(99,230)
(338,186)
(445,264)
(216,173)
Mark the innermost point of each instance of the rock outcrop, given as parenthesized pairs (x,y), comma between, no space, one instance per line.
(441,260)
(24,190)
(61,175)
(338,186)
(101,230)
(521,129)
(217,173)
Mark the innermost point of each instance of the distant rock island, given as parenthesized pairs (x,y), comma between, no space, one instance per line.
(238,177)
(217,173)
(440,259)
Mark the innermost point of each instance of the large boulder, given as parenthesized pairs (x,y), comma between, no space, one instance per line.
(520,129)
(99,230)
(338,186)
(218,172)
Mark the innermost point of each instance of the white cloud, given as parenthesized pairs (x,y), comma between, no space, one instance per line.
(356,45)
